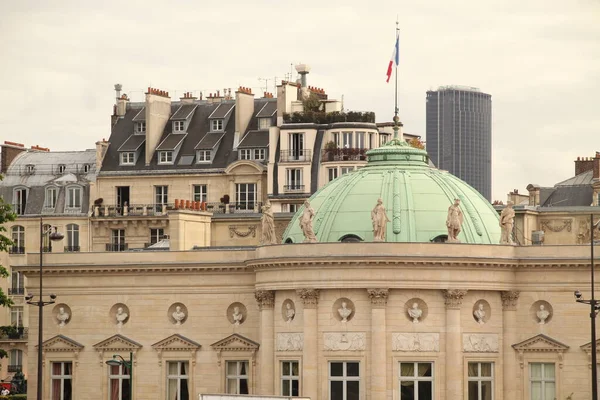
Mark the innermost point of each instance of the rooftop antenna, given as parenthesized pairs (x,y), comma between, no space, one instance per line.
(266,80)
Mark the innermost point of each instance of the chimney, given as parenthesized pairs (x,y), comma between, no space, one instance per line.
(9,151)
(244,110)
(583,164)
(303,70)
(38,148)
(101,147)
(287,92)
(158,111)
(187,98)
(597,165)
(215,97)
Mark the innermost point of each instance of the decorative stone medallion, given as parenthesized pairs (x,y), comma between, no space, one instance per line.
(177,313)
(482,311)
(119,314)
(343,309)
(416,314)
(541,312)
(62,314)
(237,313)
(288,311)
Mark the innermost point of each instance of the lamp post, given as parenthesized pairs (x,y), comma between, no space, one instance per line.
(594,307)
(54,236)
(128,364)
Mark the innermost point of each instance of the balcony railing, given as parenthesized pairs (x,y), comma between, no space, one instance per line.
(298,155)
(344,154)
(245,207)
(116,247)
(132,210)
(294,188)
(16,291)
(15,368)
(71,249)
(47,249)
(16,250)
(14,333)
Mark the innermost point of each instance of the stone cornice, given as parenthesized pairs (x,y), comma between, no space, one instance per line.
(310,297)
(128,269)
(265,299)
(454,298)
(378,297)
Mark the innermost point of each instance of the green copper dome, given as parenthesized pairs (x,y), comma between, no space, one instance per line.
(415,195)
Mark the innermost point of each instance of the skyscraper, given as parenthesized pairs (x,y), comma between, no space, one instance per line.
(459,134)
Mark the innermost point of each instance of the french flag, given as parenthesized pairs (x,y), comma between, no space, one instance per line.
(395,58)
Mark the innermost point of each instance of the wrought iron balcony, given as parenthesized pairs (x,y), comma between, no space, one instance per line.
(116,246)
(13,333)
(47,249)
(15,368)
(16,250)
(245,207)
(293,188)
(298,155)
(344,154)
(71,249)
(16,291)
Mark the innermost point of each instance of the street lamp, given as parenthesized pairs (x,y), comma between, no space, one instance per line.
(594,308)
(54,236)
(127,364)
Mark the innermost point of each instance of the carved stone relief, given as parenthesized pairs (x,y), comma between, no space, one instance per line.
(454,297)
(415,341)
(541,312)
(480,342)
(119,314)
(242,231)
(338,341)
(288,311)
(509,299)
(556,225)
(343,309)
(177,313)
(62,314)
(482,311)
(290,341)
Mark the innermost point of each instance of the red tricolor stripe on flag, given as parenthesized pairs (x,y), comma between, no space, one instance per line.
(394,59)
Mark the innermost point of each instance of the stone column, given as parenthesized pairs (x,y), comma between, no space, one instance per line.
(378,344)
(510,368)
(310,385)
(454,353)
(266,380)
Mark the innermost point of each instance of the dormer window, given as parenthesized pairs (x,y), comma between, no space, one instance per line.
(62,168)
(86,168)
(140,127)
(264,123)
(178,126)
(204,156)
(74,197)
(30,168)
(51,195)
(165,157)
(127,158)
(216,125)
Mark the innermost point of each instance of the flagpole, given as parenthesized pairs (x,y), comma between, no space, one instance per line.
(396,117)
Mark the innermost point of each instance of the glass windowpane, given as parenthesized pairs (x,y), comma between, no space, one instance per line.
(473,390)
(425,369)
(352,390)
(425,390)
(337,369)
(352,369)
(486,390)
(486,369)
(337,390)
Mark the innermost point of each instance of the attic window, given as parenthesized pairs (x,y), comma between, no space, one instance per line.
(216,125)
(165,157)
(30,168)
(178,126)
(140,127)
(204,156)
(86,168)
(264,123)
(62,168)
(128,158)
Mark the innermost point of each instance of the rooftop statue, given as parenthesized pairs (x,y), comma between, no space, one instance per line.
(507,221)
(268,225)
(380,220)
(306,223)
(454,221)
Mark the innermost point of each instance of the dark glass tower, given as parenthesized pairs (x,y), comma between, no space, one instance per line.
(459,134)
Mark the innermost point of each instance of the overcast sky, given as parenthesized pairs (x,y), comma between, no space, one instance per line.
(539,59)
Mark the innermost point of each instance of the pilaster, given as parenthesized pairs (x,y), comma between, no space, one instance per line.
(454,356)
(266,303)
(509,337)
(378,343)
(310,300)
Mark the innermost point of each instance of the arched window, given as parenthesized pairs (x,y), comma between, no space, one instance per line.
(74,197)
(18,239)
(350,238)
(289,240)
(72,237)
(15,359)
(440,239)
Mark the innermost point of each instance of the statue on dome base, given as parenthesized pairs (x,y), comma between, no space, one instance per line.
(380,220)
(268,225)
(306,223)
(507,221)
(454,221)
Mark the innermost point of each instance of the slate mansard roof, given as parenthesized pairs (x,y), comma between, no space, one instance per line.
(197,136)
(35,171)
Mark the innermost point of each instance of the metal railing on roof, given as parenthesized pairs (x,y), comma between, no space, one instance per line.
(297,155)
